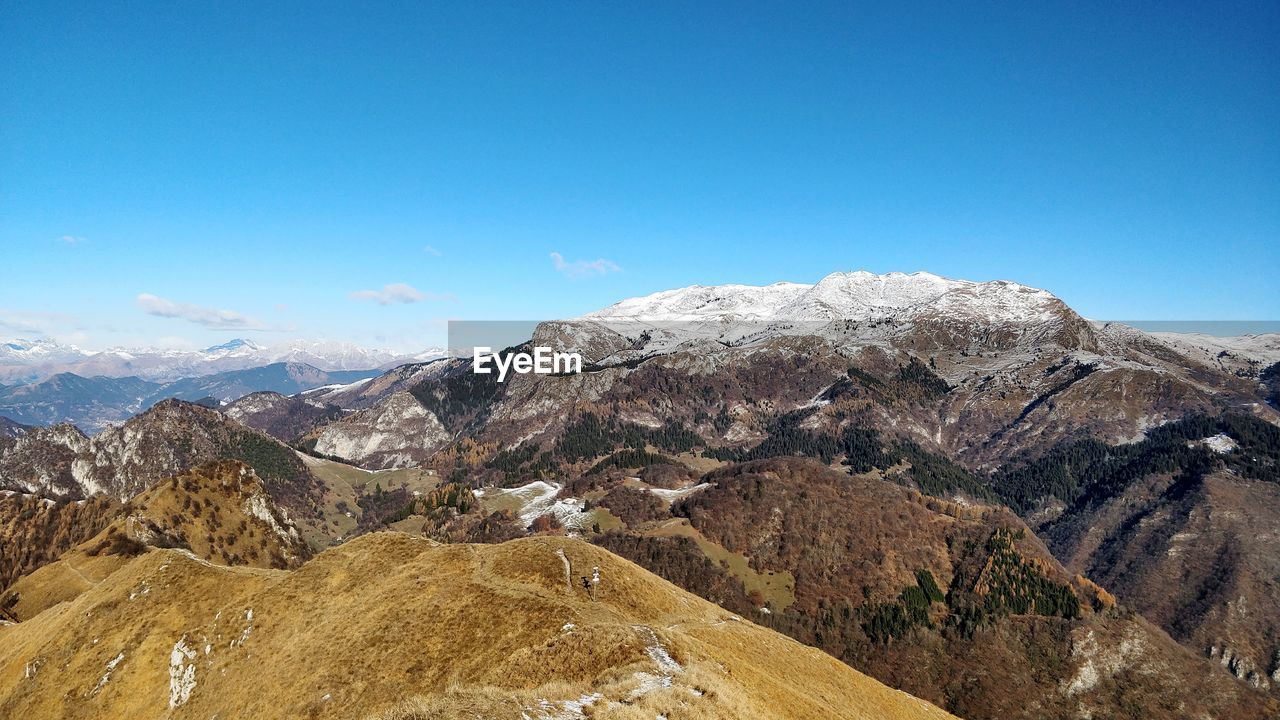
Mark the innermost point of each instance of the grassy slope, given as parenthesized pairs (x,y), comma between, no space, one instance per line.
(202,511)
(386,618)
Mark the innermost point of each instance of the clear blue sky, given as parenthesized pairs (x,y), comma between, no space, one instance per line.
(272,162)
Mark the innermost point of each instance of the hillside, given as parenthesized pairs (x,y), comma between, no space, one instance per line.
(284,418)
(981,373)
(170,438)
(94,403)
(219,512)
(9,428)
(396,432)
(90,402)
(35,531)
(956,603)
(406,628)
(1181,526)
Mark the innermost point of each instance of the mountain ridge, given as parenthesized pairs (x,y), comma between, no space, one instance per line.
(501,630)
(34,360)
(94,403)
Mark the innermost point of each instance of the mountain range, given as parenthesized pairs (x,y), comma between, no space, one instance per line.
(965,491)
(27,361)
(94,403)
(135,621)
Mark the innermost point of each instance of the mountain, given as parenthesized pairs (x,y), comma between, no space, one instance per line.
(97,402)
(956,603)
(1180,526)
(1243,355)
(217,512)
(979,372)
(362,394)
(284,418)
(281,377)
(92,402)
(396,432)
(501,631)
(28,361)
(9,428)
(35,531)
(1135,467)
(170,438)
(21,353)
(858,295)
(390,428)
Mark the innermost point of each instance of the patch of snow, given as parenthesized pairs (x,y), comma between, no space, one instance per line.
(671,496)
(648,683)
(539,498)
(182,676)
(106,676)
(563,709)
(656,652)
(248,629)
(1220,443)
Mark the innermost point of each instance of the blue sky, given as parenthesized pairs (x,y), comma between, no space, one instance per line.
(160,162)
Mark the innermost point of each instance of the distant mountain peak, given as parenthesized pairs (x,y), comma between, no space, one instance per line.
(236,344)
(27,361)
(854,295)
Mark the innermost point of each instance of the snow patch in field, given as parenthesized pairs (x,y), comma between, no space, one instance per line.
(538,498)
(649,683)
(248,629)
(182,675)
(563,709)
(106,676)
(656,652)
(1220,443)
(671,496)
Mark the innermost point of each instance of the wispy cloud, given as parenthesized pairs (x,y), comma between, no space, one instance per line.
(431,251)
(398,294)
(583,268)
(198,314)
(71,239)
(37,323)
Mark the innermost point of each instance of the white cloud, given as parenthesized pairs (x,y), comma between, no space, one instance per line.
(198,314)
(397,294)
(431,251)
(583,268)
(39,323)
(71,239)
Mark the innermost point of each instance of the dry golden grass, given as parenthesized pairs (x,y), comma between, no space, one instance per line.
(775,587)
(343,487)
(391,626)
(203,511)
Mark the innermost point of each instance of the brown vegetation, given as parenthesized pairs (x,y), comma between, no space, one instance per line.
(404,628)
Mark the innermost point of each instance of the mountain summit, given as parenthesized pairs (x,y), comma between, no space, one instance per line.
(858,295)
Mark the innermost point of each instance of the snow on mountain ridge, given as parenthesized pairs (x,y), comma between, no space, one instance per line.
(34,360)
(858,295)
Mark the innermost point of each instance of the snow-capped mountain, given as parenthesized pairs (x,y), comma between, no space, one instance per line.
(858,295)
(23,361)
(859,307)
